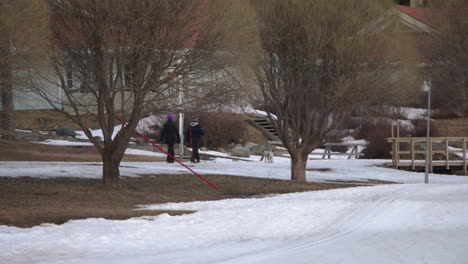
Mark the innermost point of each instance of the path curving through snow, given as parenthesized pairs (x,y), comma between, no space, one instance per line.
(409,225)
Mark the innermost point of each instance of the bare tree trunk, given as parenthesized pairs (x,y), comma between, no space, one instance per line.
(110,168)
(8,111)
(298,166)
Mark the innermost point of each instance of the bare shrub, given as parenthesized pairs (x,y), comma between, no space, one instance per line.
(221,129)
(252,134)
(360,120)
(376,133)
(154,132)
(420,129)
(352,122)
(395,113)
(445,113)
(378,147)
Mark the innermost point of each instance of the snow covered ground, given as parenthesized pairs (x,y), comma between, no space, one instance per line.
(318,170)
(129,151)
(398,223)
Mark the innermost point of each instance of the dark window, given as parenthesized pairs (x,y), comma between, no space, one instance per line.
(129,75)
(403,2)
(69,79)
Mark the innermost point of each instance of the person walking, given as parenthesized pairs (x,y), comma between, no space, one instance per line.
(170,136)
(193,135)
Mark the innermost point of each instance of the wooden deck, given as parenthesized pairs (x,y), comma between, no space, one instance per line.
(413,146)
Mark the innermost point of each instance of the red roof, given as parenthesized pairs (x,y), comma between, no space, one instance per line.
(431,16)
(423,14)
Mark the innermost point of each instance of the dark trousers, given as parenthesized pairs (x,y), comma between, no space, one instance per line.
(195,147)
(170,150)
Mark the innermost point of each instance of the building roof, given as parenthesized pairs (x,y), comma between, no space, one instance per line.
(421,14)
(432,16)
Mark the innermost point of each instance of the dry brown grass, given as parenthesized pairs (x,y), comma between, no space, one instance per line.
(31,201)
(47,119)
(27,151)
(457,127)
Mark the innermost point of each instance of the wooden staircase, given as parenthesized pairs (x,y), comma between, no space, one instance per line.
(264,125)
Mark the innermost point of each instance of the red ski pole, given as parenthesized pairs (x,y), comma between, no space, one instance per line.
(191,145)
(161,149)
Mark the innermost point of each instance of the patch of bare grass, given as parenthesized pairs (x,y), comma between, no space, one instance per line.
(27,151)
(27,202)
(48,119)
(321,170)
(452,127)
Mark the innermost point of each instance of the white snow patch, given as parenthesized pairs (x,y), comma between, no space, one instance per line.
(414,113)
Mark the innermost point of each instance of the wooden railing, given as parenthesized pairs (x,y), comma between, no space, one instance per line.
(353,153)
(328,149)
(417,146)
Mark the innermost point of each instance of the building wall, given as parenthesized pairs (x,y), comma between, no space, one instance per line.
(27,98)
(418,3)
(88,99)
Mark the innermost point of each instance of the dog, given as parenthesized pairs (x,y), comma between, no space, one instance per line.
(267,156)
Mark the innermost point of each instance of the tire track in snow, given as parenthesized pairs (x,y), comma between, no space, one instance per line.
(354,221)
(344,227)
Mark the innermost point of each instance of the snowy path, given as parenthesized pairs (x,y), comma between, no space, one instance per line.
(379,233)
(410,223)
(398,224)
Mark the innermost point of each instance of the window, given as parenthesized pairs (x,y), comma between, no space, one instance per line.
(69,78)
(129,75)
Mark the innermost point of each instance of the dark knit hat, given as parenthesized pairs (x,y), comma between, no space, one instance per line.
(170,117)
(194,119)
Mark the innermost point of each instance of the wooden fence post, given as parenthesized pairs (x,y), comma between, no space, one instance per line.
(397,155)
(447,154)
(398,142)
(465,157)
(430,156)
(412,154)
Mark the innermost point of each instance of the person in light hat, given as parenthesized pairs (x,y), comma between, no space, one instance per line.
(193,135)
(170,136)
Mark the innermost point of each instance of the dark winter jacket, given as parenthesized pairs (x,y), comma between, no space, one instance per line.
(194,132)
(170,133)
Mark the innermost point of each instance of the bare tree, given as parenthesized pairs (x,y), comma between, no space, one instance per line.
(317,64)
(23,41)
(448,67)
(129,57)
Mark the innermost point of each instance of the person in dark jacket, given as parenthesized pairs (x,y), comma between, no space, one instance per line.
(170,135)
(193,135)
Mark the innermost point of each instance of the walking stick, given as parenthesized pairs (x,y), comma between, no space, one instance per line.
(162,150)
(191,145)
(204,151)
